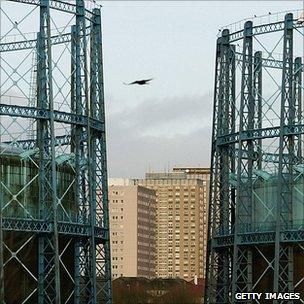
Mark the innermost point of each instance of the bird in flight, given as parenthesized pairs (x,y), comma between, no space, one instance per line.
(301,18)
(139,82)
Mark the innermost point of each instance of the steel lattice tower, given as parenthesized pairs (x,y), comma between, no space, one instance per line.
(54,222)
(256,217)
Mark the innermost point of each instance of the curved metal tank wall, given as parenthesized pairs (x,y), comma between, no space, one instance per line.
(265,196)
(264,201)
(19,277)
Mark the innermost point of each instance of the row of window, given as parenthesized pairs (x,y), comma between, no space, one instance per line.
(116,258)
(116,242)
(116,201)
(115,217)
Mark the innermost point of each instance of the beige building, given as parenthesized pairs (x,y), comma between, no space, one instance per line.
(181,221)
(132,229)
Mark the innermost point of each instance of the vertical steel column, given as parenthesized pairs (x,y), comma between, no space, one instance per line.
(242,256)
(53,164)
(99,156)
(91,154)
(257,93)
(297,93)
(230,116)
(218,269)
(232,148)
(87,261)
(76,132)
(211,260)
(42,132)
(48,245)
(224,127)
(283,268)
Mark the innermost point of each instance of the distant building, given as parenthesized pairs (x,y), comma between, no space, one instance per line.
(181,221)
(132,229)
(194,172)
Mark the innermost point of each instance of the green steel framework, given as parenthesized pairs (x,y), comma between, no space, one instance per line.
(240,159)
(83,141)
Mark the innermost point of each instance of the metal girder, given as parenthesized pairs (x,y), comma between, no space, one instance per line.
(283,268)
(92,149)
(242,256)
(260,156)
(211,259)
(263,29)
(267,62)
(223,159)
(225,124)
(267,237)
(28,144)
(289,236)
(49,290)
(76,229)
(59,116)
(257,97)
(64,6)
(297,96)
(31,44)
(99,166)
(270,132)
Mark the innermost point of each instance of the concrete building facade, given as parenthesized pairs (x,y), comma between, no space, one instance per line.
(181,221)
(132,229)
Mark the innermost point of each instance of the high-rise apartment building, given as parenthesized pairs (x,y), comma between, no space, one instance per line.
(132,229)
(181,221)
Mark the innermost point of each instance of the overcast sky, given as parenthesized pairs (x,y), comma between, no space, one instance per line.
(168,123)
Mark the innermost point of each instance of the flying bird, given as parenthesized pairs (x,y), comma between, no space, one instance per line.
(301,18)
(139,82)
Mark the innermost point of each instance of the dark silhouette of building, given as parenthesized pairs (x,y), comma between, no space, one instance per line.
(127,290)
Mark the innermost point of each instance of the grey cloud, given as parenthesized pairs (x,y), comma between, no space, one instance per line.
(156,114)
(131,153)
(132,157)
